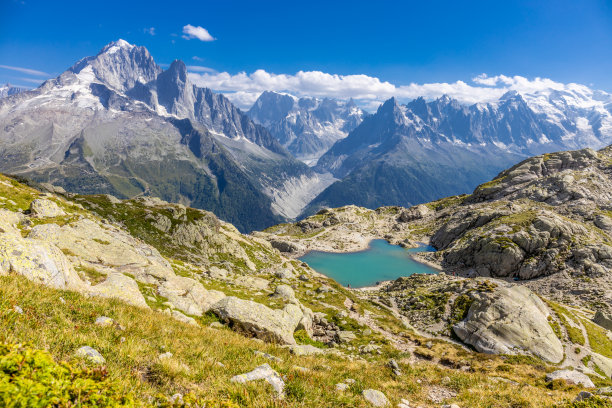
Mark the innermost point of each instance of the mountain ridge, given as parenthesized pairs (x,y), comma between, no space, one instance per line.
(118,123)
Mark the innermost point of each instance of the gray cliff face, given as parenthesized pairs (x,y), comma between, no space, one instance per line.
(117,123)
(306,127)
(414,153)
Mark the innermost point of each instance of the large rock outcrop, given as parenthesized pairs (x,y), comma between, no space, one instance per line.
(105,248)
(188,295)
(510,320)
(257,320)
(122,287)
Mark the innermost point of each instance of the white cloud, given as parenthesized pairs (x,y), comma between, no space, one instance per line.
(150,30)
(25,70)
(202,34)
(243,89)
(196,58)
(199,68)
(32,80)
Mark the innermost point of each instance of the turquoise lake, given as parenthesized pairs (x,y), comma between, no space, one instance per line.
(382,261)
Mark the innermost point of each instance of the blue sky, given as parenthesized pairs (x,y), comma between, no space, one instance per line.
(401,42)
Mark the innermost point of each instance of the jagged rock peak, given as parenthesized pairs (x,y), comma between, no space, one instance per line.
(119,65)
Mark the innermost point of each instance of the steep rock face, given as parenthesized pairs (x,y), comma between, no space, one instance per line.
(545,215)
(393,158)
(510,320)
(119,65)
(306,127)
(406,154)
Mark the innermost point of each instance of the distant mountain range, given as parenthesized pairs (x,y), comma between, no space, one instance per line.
(413,153)
(117,123)
(8,90)
(306,127)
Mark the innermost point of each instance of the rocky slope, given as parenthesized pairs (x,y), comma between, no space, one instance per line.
(414,153)
(182,269)
(306,127)
(544,222)
(117,123)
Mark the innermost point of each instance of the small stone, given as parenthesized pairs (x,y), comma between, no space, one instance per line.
(583,395)
(345,336)
(220,364)
(284,292)
(62,300)
(303,278)
(268,356)
(44,208)
(122,340)
(342,387)
(165,355)
(404,403)
(216,325)
(263,372)
(375,397)
(571,377)
(177,399)
(301,369)
(305,350)
(104,321)
(349,381)
(604,391)
(183,318)
(324,289)
(366,332)
(393,364)
(450,406)
(18,309)
(90,354)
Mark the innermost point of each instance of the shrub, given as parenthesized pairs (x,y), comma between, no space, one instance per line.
(31,378)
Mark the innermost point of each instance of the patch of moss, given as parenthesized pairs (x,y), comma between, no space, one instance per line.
(101,241)
(90,274)
(460,308)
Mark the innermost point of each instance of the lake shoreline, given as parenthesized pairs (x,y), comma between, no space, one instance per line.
(359,270)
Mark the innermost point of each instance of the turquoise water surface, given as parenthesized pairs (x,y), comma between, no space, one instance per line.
(382,261)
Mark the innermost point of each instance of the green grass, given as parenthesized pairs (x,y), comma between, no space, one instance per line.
(90,274)
(574,333)
(600,343)
(132,362)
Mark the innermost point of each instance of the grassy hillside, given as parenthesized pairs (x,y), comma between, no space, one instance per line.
(204,359)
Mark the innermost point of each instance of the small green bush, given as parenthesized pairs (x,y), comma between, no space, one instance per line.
(31,378)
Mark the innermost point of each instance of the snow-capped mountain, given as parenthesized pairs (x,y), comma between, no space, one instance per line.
(117,123)
(306,127)
(421,151)
(8,90)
